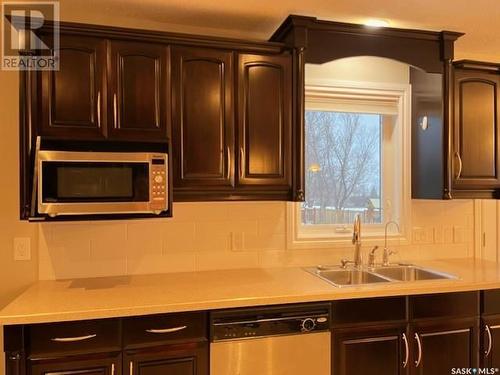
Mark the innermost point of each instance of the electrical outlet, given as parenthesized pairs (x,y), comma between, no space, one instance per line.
(237,241)
(22,248)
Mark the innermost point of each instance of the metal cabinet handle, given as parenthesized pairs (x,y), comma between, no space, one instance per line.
(242,157)
(73,339)
(112,369)
(490,342)
(166,330)
(407,351)
(459,165)
(228,166)
(419,346)
(99,109)
(131,368)
(115,114)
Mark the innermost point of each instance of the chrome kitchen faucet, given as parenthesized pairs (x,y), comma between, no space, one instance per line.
(356,241)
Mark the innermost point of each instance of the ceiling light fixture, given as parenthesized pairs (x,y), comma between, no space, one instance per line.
(376,23)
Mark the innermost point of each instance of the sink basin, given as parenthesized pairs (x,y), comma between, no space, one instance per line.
(349,277)
(410,273)
(341,277)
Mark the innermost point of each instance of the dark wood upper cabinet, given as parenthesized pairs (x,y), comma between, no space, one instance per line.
(476,129)
(264,120)
(202,118)
(139,95)
(72,100)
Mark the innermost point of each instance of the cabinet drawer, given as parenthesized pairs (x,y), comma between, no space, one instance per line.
(368,310)
(74,337)
(490,302)
(463,304)
(164,329)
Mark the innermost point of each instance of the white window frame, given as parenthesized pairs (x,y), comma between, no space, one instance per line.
(344,92)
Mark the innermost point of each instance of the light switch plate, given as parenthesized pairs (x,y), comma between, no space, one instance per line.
(22,248)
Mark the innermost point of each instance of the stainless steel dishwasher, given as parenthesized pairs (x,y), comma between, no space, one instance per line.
(292,340)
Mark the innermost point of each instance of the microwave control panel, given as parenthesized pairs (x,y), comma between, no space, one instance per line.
(159,183)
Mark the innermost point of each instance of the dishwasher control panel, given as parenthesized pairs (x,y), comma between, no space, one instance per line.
(251,323)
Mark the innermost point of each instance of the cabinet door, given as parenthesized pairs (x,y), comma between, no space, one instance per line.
(476,134)
(264,120)
(490,343)
(72,99)
(92,365)
(181,359)
(377,350)
(139,93)
(440,346)
(202,115)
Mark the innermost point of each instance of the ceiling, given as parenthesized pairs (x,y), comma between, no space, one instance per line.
(257,19)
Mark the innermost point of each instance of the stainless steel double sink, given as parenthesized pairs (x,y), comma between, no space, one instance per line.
(341,277)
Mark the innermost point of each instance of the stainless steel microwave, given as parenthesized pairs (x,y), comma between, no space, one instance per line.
(88,183)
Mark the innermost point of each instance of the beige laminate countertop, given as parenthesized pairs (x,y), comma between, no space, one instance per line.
(51,301)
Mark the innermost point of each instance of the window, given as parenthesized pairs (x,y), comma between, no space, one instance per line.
(356,162)
(343,167)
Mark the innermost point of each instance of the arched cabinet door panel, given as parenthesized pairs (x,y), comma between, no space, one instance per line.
(72,99)
(476,130)
(264,121)
(139,96)
(202,119)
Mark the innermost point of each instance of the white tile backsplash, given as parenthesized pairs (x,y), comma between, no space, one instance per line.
(228,235)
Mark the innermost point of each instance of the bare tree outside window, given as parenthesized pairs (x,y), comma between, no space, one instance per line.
(343,167)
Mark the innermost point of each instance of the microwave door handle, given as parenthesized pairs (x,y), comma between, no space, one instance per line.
(36,177)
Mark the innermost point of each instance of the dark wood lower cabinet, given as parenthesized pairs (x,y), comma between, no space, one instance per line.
(84,365)
(415,335)
(179,359)
(490,341)
(438,346)
(376,350)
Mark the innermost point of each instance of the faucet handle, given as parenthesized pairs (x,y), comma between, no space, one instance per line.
(345,262)
(371,257)
(387,253)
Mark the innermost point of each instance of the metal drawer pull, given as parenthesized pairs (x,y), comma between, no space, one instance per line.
(490,341)
(112,369)
(419,343)
(407,351)
(166,330)
(73,339)
(131,368)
